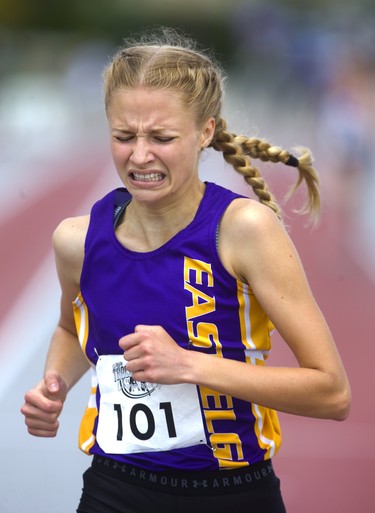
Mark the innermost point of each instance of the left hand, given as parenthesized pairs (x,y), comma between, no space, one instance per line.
(153,356)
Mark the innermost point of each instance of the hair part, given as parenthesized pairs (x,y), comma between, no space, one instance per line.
(168,60)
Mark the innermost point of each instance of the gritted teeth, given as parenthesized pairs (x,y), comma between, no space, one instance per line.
(149,177)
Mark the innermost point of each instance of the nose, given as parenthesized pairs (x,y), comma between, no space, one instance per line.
(141,152)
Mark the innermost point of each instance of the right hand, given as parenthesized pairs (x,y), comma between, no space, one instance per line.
(43,405)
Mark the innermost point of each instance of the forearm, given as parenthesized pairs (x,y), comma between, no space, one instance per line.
(66,357)
(299,391)
(318,387)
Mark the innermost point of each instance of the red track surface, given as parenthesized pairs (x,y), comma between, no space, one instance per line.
(329,466)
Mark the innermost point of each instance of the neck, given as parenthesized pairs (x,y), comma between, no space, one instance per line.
(147,227)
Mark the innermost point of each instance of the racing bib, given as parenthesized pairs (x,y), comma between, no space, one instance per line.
(135,416)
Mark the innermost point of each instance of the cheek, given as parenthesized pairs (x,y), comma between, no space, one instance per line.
(119,153)
(189,156)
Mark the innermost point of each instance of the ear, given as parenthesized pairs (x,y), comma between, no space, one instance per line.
(207,133)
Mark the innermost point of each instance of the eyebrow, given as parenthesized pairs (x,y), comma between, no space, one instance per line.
(153,131)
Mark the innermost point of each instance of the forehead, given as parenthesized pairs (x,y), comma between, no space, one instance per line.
(148,106)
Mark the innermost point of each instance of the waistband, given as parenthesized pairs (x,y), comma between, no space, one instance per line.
(177,482)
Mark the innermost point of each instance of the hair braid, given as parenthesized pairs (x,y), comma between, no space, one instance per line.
(263,150)
(234,154)
(238,148)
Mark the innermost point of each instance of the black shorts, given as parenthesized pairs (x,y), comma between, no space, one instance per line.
(110,487)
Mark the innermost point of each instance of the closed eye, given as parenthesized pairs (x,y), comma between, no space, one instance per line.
(123,138)
(164,139)
(157,138)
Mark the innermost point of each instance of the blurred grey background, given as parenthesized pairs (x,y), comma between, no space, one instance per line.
(300,73)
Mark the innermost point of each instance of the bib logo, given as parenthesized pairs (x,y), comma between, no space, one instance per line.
(129,386)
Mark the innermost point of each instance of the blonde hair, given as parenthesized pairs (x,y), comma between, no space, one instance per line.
(167,60)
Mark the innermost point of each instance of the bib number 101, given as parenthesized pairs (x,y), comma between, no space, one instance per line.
(148,427)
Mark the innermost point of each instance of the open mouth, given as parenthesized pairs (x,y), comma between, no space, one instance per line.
(147,177)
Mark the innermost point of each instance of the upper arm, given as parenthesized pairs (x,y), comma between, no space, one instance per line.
(68,244)
(256,249)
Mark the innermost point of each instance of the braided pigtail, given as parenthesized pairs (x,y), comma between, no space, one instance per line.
(234,154)
(267,153)
(237,149)
(308,174)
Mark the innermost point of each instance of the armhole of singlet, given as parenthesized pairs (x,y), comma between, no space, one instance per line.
(217,237)
(118,212)
(217,230)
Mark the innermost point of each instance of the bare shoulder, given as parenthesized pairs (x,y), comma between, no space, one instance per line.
(248,214)
(247,219)
(70,234)
(68,243)
(251,235)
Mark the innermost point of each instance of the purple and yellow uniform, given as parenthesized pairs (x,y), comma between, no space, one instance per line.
(183,287)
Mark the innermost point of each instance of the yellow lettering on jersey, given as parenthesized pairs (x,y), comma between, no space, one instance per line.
(211,415)
(196,269)
(204,334)
(227,447)
(202,303)
(221,400)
